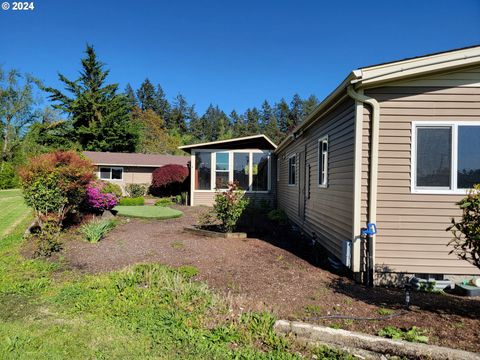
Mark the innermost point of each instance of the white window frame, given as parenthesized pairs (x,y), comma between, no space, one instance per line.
(453,190)
(294,156)
(110,167)
(322,159)
(231,168)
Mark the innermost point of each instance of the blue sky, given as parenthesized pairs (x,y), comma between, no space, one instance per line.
(231,53)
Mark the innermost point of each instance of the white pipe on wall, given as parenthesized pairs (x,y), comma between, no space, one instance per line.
(373,171)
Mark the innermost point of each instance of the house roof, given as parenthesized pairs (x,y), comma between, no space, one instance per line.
(247,142)
(134,159)
(381,74)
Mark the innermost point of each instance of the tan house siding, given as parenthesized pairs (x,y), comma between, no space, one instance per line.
(133,175)
(328,211)
(411,227)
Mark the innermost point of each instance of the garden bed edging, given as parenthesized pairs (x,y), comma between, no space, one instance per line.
(203,232)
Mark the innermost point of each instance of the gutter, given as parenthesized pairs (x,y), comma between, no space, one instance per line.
(373,170)
(321,107)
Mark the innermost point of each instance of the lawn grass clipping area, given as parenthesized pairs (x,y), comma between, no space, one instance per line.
(12,210)
(143,311)
(149,212)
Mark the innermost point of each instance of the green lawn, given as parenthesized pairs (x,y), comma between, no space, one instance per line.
(12,210)
(150,212)
(147,311)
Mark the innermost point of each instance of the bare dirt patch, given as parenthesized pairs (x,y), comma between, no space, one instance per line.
(278,275)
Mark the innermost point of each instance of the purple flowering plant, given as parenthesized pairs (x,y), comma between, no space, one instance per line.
(99,200)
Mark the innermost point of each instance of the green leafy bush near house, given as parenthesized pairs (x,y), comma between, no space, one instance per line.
(229,206)
(111,188)
(136,190)
(138,201)
(95,230)
(279,216)
(413,334)
(164,202)
(466,238)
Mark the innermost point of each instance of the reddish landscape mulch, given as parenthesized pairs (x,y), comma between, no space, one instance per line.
(277,275)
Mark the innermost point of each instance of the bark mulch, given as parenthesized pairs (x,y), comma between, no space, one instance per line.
(271,274)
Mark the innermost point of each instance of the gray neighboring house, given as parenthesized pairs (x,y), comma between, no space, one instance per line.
(395,144)
(130,168)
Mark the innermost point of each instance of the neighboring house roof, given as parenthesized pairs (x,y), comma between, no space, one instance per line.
(134,159)
(247,142)
(381,74)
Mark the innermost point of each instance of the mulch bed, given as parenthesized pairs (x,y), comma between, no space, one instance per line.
(272,274)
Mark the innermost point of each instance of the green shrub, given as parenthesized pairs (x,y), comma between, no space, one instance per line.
(138,201)
(47,239)
(54,184)
(111,188)
(413,334)
(279,216)
(136,190)
(164,202)
(466,238)
(229,206)
(8,177)
(95,230)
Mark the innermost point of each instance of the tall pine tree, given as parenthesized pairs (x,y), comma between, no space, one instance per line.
(100,117)
(147,97)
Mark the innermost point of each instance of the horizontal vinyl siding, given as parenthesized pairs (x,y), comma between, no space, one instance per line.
(411,227)
(329,211)
(469,77)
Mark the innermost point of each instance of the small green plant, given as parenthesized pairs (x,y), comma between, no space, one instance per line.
(229,206)
(188,271)
(384,312)
(313,309)
(47,239)
(279,216)
(111,188)
(413,334)
(136,190)
(95,230)
(164,202)
(466,239)
(138,201)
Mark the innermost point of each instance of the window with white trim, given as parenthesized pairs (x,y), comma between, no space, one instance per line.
(323,162)
(446,157)
(292,170)
(222,171)
(111,173)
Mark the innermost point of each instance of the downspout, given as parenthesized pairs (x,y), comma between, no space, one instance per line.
(373,171)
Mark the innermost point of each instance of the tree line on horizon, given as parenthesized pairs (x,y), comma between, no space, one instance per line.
(91,114)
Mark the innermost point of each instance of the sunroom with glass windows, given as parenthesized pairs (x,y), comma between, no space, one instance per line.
(246,161)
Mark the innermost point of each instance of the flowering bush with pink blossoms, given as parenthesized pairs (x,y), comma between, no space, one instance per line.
(99,200)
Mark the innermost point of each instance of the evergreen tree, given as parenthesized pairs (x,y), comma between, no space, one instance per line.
(237,123)
(178,118)
(252,121)
(282,113)
(100,117)
(296,112)
(269,123)
(309,105)
(162,104)
(147,96)
(130,95)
